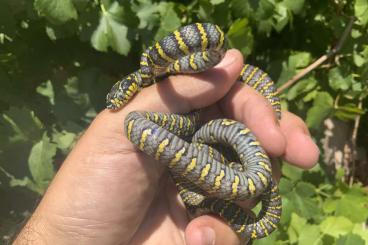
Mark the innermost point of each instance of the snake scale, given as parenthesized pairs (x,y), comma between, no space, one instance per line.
(218,163)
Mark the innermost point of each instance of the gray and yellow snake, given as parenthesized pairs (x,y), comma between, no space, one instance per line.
(218,163)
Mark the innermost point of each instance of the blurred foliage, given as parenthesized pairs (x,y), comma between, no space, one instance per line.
(58,59)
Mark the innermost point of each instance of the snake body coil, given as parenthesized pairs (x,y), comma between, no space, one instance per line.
(208,177)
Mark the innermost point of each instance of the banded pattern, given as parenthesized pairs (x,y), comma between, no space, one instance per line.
(222,161)
(260,81)
(205,179)
(191,49)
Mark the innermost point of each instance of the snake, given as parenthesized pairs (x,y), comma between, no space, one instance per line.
(214,164)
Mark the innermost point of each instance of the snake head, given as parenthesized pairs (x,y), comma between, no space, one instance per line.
(121,93)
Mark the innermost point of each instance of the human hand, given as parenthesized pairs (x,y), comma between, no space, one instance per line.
(108,192)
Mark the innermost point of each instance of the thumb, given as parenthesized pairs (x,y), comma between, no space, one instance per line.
(209,230)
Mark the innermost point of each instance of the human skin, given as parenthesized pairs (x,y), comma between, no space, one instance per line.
(108,192)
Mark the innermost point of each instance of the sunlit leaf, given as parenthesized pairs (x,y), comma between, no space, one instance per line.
(310,234)
(47,90)
(350,239)
(40,161)
(322,107)
(336,226)
(337,81)
(111,32)
(294,5)
(56,11)
(361,11)
(240,36)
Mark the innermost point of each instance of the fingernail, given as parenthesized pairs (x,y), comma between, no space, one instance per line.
(208,236)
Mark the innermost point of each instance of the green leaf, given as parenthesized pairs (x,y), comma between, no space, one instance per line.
(64,140)
(296,226)
(299,60)
(301,87)
(215,2)
(169,22)
(305,189)
(24,123)
(336,226)
(285,186)
(287,211)
(322,107)
(310,235)
(310,96)
(337,81)
(72,90)
(361,231)
(40,161)
(296,61)
(292,173)
(361,11)
(348,112)
(56,11)
(47,90)
(358,59)
(25,182)
(304,206)
(240,36)
(271,239)
(329,205)
(350,239)
(148,13)
(111,32)
(294,5)
(281,17)
(353,201)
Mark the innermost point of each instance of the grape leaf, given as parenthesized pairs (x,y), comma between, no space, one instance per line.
(281,17)
(24,123)
(40,161)
(215,2)
(310,235)
(148,12)
(111,32)
(361,231)
(47,90)
(56,11)
(337,81)
(350,239)
(361,11)
(297,224)
(351,201)
(301,87)
(294,5)
(322,107)
(240,36)
(336,226)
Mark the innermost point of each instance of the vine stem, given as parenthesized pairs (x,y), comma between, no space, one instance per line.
(353,143)
(322,59)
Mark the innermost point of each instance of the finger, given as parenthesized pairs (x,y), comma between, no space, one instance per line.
(210,230)
(300,150)
(246,105)
(182,93)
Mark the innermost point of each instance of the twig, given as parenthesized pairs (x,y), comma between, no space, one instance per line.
(322,59)
(353,142)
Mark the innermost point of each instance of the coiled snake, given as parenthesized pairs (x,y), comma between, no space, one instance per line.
(222,162)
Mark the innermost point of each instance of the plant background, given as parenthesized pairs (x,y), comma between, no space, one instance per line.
(58,59)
